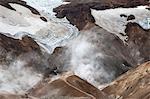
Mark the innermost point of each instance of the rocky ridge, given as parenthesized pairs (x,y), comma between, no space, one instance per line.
(134,84)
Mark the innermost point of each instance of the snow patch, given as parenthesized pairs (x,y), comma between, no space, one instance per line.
(145,23)
(111,21)
(47,34)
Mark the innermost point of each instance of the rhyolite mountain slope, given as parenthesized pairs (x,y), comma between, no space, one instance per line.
(132,85)
(97,40)
(78,11)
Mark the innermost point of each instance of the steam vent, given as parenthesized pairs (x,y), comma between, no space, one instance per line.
(74,49)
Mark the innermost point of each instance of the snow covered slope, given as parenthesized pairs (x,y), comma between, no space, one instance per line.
(47,34)
(17,77)
(112,21)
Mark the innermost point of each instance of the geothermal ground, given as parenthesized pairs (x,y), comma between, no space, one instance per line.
(74,49)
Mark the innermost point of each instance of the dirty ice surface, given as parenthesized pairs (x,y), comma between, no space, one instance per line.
(16,77)
(47,34)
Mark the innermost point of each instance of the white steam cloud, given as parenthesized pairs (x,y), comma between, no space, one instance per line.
(16,78)
(93,58)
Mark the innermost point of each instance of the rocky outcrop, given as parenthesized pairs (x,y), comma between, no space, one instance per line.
(115,3)
(132,85)
(131,17)
(16,46)
(79,14)
(138,43)
(125,56)
(10,47)
(69,86)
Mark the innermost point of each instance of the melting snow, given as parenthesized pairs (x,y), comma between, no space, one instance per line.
(145,23)
(47,34)
(16,78)
(111,21)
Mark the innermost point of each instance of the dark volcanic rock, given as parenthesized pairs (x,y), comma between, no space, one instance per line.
(123,15)
(70,86)
(112,3)
(26,49)
(106,52)
(16,46)
(125,3)
(148,8)
(44,19)
(118,56)
(78,11)
(78,15)
(138,43)
(130,17)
